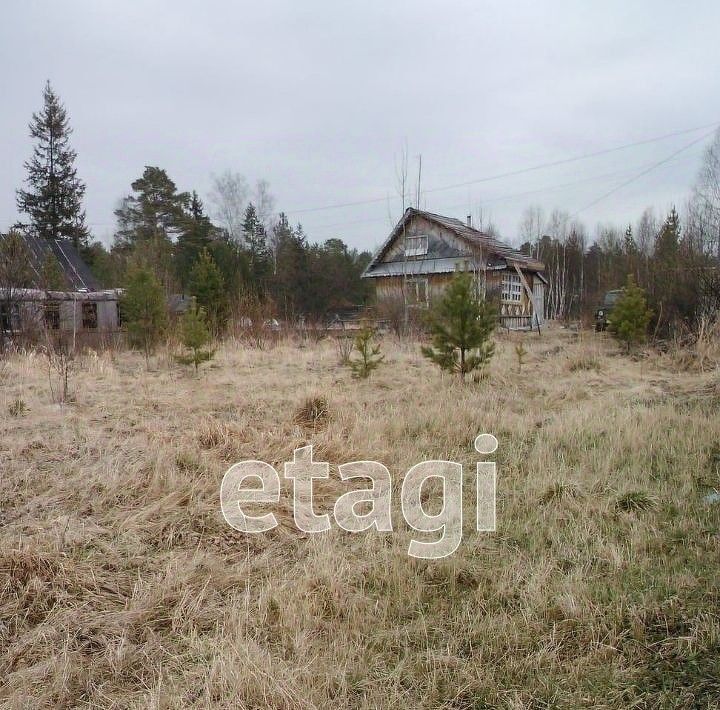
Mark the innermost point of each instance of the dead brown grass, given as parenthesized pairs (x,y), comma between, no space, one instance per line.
(121,585)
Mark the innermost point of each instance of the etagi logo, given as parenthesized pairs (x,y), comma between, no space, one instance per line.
(367,508)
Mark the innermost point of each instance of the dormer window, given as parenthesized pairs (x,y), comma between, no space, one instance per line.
(416,245)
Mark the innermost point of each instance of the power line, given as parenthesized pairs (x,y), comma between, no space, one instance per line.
(643,173)
(489,200)
(520,171)
(511,173)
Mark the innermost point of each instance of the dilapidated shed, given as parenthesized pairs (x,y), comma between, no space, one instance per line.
(418,259)
(30,305)
(32,311)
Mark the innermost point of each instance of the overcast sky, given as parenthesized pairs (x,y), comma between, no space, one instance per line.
(319,98)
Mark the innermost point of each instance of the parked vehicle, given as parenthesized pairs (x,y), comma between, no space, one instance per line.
(604,311)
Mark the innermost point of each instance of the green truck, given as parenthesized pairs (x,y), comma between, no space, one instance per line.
(604,311)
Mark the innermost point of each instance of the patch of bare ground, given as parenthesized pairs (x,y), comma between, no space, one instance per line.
(122,586)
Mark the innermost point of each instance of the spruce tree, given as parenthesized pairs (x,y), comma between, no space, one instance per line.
(255,238)
(461,326)
(195,236)
(53,199)
(666,244)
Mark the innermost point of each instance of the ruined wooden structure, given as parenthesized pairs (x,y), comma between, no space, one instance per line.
(75,305)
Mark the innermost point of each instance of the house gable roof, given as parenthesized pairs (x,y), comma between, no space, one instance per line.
(474,238)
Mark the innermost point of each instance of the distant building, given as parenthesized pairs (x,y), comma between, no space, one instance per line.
(82,306)
(425,250)
(35,310)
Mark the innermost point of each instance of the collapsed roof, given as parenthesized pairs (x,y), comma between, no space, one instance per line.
(75,271)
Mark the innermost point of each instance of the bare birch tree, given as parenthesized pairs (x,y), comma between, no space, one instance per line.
(229,197)
(706,198)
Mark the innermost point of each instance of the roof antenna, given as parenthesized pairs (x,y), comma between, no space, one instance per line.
(417,200)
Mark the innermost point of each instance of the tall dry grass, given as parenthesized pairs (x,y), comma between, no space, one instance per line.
(121,585)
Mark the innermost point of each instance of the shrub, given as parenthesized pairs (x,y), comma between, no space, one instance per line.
(256,320)
(17,408)
(344,344)
(635,501)
(61,365)
(313,411)
(584,363)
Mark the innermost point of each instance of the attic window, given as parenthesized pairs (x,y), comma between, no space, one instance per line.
(511,288)
(416,245)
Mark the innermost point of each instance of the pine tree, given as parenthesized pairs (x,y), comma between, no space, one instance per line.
(630,315)
(144,310)
(195,335)
(461,326)
(148,220)
(54,196)
(155,210)
(370,357)
(208,287)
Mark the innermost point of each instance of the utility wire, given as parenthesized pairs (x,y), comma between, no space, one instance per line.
(490,200)
(642,173)
(511,173)
(521,171)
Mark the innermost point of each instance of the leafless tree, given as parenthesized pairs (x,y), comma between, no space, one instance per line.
(706,197)
(229,197)
(483,221)
(15,274)
(646,231)
(264,203)
(531,227)
(60,351)
(556,265)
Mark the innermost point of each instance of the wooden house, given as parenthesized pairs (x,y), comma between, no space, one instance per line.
(425,250)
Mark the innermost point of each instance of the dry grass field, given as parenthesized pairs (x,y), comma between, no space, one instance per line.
(121,586)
